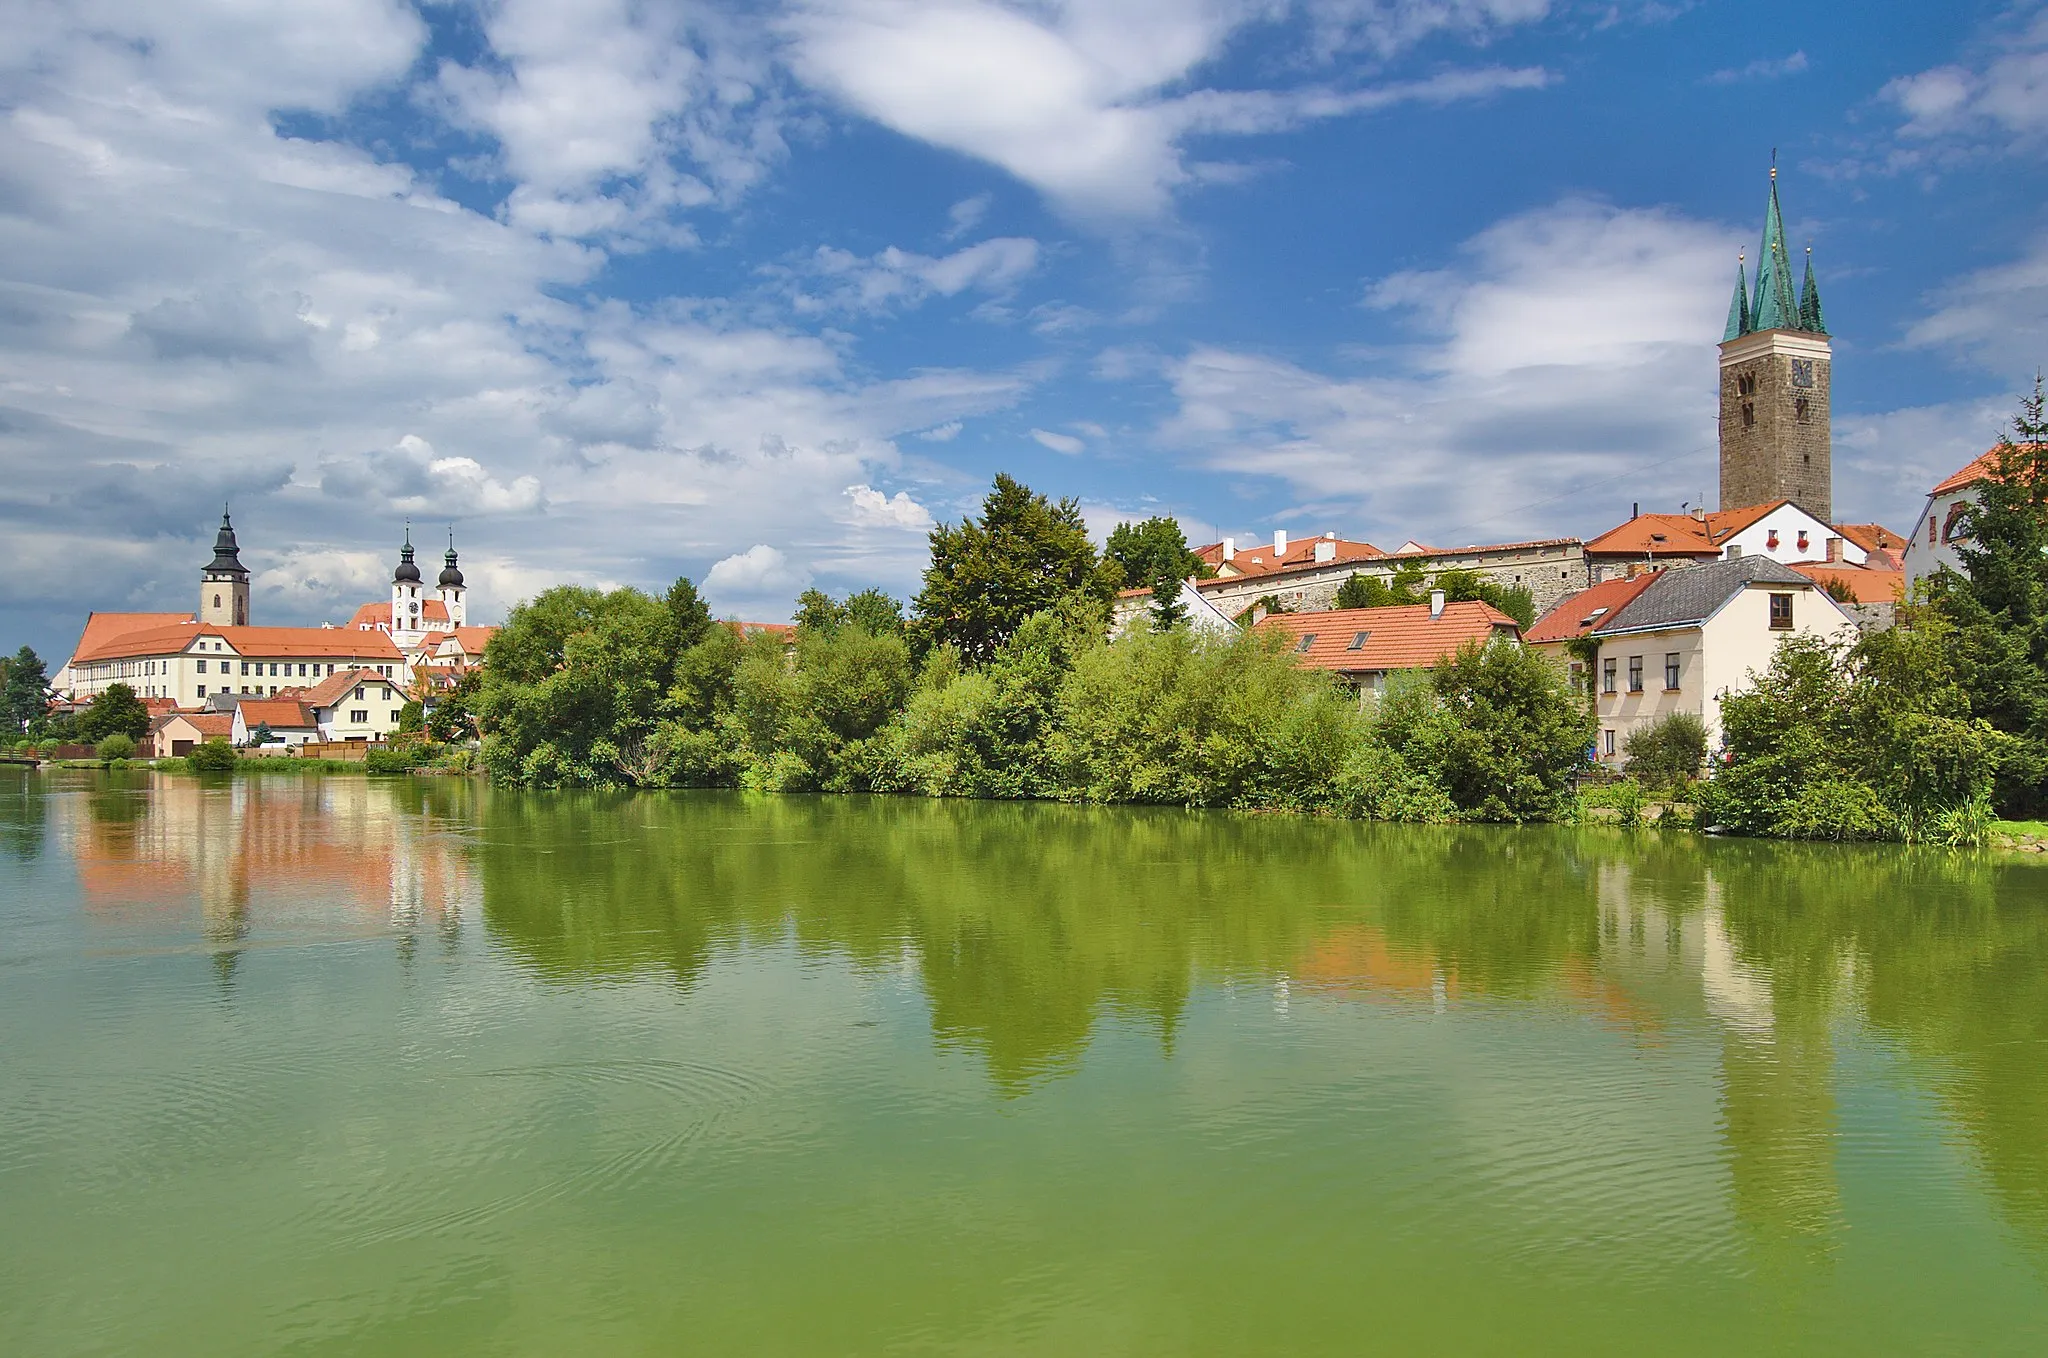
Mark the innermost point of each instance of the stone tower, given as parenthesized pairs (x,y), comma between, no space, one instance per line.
(1775,361)
(450,584)
(224,584)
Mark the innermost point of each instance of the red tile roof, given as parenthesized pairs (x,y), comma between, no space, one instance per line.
(279,714)
(1871,537)
(1869,586)
(1401,637)
(1979,467)
(1577,614)
(1416,549)
(278,642)
(101,628)
(1259,558)
(373,616)
(1678,534)
(328,691)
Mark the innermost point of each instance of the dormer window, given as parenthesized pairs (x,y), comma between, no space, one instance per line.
(1358,640)
(1308,639)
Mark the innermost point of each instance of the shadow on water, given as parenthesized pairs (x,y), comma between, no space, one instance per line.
(1026,925)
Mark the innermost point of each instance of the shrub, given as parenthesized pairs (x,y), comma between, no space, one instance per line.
(213,756)
(1668,751)
(1627,800)
(391,759)
(119,745)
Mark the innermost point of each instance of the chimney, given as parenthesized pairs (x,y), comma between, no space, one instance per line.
(1279,544)
(1699,512)
(1229,548)
(1326,550)
(1635,510)
(1436,604)
(1834,550)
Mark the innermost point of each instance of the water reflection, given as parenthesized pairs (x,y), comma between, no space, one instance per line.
(1027,926)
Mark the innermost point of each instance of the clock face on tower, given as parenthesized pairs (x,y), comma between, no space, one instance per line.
(1802,372)
(415,605)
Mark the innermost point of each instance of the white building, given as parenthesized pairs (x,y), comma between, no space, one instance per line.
(1939,530)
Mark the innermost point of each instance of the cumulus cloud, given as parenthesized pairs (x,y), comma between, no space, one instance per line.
(896,279)
(1999,314)
(1526,379)
(1059,443)
(1763,68)
(2002,96)
(871,508)
(1083,101)
(759,578)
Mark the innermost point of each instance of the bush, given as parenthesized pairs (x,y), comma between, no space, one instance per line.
(395,758)
(1668,751)
(116,746)
(213,756)
(1628,803)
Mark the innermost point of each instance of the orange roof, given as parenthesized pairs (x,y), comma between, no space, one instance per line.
(101,628)
(324,642)
(328,691)
(205,723)
(1978,468)
(276,713)
(782,631)
(1260,559)
(372,616)
(1680,534)
(1577,614)
(1401,637)
(1416,549)
(1871,537)
(475,638)
(1868,586)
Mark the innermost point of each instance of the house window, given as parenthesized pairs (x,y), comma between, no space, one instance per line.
(1635,674)
(1800,410)
(245,667)
(202,667)
(359,693)
(1930,530)
(1358,640)
(1308,639)
(1607,668)
(1671,671)
(1608,737)
(1781,612)
(1748,415)
(360,716)
(202,690)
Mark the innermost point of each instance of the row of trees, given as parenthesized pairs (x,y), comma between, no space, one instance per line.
(1001,683)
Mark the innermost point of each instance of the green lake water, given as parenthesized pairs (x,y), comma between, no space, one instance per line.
(326,1066)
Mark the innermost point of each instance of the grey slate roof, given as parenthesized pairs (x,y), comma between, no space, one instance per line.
(1683,595)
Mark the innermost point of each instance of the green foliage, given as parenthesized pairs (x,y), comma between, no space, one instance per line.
(452,719)
(213,756)
(1168,612)
(115,710)
(1874,741)
(1998,607)
(871,610)
(412,717)
(1145,553)
(24,692)
(1461,586)
(119,745)
(262,735)
(1628,802)
(1024,556)
(391,759)
(1669,750)
(1409,585)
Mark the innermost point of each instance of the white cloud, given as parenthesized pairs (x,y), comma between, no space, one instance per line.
(1059,443)
(965,215)
(2003,95)
(1885,463)
(1763,68)
(896,278)
(944,433)
(759,579)
(1079,99)
(871,508)
(1535,350)
(1998,315)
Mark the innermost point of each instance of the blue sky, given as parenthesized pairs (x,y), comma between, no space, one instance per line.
(757,292)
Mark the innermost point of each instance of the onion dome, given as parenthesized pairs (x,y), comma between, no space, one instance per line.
(451,578)
(407,573)
(227,554)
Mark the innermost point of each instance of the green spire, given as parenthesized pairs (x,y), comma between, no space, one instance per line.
(1738,305)
(1810,318)
(1774,308)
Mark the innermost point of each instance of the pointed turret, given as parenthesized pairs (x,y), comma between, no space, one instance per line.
(1738,305)
(406,569)
(1775,307)
(227,553)
(1810,318)
(450,575)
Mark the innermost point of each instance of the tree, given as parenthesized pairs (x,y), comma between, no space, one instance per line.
(115,709)
(1025,555)
(1668,751)
(214,756)
(1999,605)
(1461,586)
(263,735)
(1143,552)
(119,745)
(875,611)
(451,720)
(412,718)
(26,693)
(1168,612)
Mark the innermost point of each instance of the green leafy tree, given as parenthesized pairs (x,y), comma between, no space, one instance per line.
(25,696)
(1668,751)
(214,756)
(818,612)
(263,735)
(115,709)
(452,719)
(872,610)
(115,746)
(1168,612)
(412,717)
(1143,553)
(1024,555)
(1999,605)
(1461,586)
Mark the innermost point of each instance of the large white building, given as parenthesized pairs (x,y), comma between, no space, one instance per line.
(194,659)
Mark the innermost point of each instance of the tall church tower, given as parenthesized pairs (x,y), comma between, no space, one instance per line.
(224,584)
(408,597)
(1775,361)
(450,584)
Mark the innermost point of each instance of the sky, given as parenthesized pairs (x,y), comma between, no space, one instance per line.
(756,293)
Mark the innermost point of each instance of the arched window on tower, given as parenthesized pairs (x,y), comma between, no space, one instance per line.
(216,601)
(1749,415)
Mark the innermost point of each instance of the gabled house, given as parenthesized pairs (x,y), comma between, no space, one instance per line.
(177,734)
(356,705)
(1940,528)
(1364,646)
(289,721)
(1682,639)
(1780,530)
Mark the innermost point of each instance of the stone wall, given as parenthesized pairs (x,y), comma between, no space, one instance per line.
(1773,447)
(1549,571)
